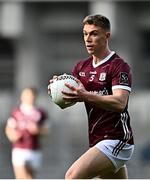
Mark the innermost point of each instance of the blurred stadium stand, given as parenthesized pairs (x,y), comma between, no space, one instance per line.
(40,39)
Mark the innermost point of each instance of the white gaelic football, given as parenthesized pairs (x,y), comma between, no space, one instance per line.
(58,86)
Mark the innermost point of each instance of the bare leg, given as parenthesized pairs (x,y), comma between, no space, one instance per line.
(21,172)
(120,174)
(91,164)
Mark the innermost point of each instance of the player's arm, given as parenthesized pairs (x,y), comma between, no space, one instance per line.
(115,102)
(44,129)
(40,127)
(33,128)
(11,131)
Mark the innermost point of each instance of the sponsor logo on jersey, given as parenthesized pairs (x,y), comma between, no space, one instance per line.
(82,74)
(124,78)
(101,92)
(102,76)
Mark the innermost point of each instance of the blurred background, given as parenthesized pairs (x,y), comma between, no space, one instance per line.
(41,38)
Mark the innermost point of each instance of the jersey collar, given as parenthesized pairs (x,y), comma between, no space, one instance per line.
(103,60)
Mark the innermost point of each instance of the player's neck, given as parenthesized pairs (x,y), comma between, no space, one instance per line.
(101,56)
(27,105)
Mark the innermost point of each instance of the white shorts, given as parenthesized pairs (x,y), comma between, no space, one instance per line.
(117,151)
(21,157)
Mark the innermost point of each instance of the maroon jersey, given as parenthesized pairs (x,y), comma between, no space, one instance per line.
(22,118)
(111,73)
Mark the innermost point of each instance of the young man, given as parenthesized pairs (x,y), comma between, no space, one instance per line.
(104,85)
(23,129)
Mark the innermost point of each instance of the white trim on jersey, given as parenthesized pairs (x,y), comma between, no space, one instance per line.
(103,60)
(121,87)
(124,117)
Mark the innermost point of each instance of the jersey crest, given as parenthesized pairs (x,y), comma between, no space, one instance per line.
(102,76)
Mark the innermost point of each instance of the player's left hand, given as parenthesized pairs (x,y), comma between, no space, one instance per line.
(77,94)
(32,127)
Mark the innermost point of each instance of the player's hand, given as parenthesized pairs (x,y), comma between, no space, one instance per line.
(50,82)
(33,128)
(13,134)
(77,94)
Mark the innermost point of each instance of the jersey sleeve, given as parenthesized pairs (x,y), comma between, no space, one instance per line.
(44,117)
(75,71)
(12,120)
(15,112)
(122,76)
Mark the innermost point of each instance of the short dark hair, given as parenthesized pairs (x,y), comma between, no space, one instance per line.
(98,20)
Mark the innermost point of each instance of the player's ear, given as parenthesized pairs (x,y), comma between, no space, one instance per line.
(107,35)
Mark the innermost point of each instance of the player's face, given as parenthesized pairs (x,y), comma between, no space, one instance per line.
(28,97)
(95,39)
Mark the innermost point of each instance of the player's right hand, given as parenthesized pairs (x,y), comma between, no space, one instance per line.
(50,82)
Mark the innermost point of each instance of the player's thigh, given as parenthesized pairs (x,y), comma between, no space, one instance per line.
(21,172)
(90,164)
(120,174)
